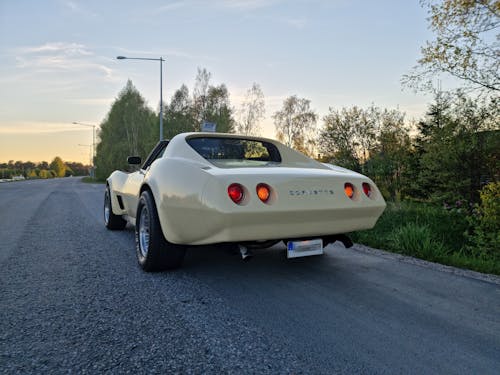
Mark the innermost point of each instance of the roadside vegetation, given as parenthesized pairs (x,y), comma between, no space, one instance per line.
(442,185)
(42,170)
(92,180)
(442,181)
(465,237)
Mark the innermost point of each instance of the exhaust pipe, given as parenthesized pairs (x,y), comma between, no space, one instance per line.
(246,254)
(345,240)
(338,237)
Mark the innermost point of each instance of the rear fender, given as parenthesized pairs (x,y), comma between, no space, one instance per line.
(177,186)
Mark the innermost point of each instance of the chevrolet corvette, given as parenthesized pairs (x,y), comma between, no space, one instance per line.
(226,189)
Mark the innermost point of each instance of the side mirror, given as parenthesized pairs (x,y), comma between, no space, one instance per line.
(134,160)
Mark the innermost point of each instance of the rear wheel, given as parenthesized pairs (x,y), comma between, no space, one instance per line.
(154,252)
(112,221)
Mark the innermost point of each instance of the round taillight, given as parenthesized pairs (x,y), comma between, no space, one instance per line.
(367,189)
(236,193)
(349,189)
(263,192)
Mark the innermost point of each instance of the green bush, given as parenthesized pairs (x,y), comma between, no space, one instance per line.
(44,174)
(417,240)
(484,241)
(92,180)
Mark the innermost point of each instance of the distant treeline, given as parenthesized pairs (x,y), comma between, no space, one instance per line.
(31,170)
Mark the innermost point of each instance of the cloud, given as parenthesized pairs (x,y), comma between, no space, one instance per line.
(237,5)
(246,4)
(68,49)
(93,101)
(56,57)
(76,7)
(71,5)
(298,23)
(172,6)
(38,127)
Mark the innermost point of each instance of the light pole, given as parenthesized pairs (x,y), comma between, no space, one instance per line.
(161,60)
(93,143)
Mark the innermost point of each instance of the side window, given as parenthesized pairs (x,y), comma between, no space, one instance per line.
(157,153)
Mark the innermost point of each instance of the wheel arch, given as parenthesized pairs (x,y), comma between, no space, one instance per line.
(160,254)
(146,187)
(177,187)
(115,204)
(155,195)
(114,183)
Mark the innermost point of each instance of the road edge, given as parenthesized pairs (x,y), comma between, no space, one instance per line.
(486,277)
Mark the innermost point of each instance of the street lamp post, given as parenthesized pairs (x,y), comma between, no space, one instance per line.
(161,60)
(93,142)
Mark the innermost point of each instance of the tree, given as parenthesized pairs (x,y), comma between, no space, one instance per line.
(485,237)
(179,114)
(373,141)
(130,128)
(45,174)
(78,169)
(58,167)
(391,155)
(457,148)
(28,165)
(218,109)
(348,134)
(466,45)
(211,104)
(200,93)
(295,124)
(252,111)
(32,174)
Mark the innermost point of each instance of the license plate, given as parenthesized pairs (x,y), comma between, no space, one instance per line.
(297,249)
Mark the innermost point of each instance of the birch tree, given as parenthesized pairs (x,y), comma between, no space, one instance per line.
(251,112)
(295,124)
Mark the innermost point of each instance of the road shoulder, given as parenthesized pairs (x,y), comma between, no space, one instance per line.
(426,264)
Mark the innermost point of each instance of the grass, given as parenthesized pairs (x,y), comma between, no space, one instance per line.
(427,232)
(92,180)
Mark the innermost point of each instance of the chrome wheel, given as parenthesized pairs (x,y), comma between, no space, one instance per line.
(144,231)
(112,221)
(154,252)
(107,207)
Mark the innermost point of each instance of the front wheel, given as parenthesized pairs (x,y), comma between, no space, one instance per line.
(112,221)
(154,252)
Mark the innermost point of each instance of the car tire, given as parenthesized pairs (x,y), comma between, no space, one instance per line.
(112,221)
(154,252)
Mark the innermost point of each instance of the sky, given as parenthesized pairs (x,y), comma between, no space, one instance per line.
(59,61)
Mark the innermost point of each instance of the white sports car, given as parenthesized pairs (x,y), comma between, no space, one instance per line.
(211,188)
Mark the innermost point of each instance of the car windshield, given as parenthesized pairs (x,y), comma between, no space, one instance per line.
(235,152)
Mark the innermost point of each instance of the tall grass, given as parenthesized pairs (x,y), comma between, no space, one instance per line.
(427,232)
(417,240)
(92,180)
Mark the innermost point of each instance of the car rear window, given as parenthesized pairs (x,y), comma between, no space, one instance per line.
(235,152)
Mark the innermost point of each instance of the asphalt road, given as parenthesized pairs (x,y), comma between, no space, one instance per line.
(72,299)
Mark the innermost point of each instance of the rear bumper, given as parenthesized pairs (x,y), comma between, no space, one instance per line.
(221,226)
(303,203)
